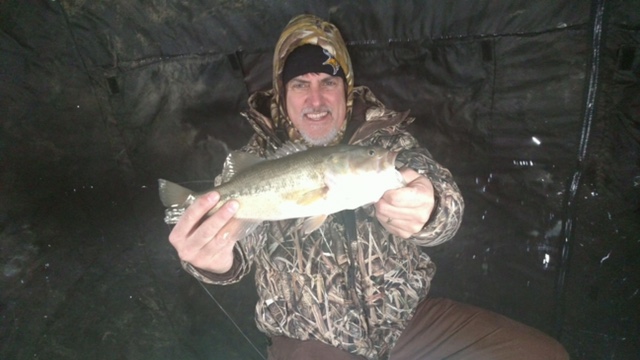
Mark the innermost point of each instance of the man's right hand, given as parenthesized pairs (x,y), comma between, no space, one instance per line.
(207,242)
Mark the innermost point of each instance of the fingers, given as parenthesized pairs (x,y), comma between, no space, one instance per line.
(408,174)
(193,215)
(418,195)
(210,228)
(418,190)
(399,227)
(407,197)
(403,212)
(399,221)
(203,237)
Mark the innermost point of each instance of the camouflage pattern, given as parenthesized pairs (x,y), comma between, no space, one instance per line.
(356,294)
(302,281)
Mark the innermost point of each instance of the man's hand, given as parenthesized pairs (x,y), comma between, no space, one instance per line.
(404,211)
(207,242)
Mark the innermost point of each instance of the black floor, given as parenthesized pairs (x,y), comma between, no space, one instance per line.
(91,278)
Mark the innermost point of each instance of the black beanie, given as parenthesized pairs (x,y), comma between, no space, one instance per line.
(310,58)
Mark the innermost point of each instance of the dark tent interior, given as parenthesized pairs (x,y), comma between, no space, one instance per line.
(534,106)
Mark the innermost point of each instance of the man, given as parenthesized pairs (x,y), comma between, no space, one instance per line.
(356,287)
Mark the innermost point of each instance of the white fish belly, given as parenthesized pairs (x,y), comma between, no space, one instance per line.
(344,192)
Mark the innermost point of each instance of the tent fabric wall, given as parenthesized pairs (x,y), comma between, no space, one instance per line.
(533,106)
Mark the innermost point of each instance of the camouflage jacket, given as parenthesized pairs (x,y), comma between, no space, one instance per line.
(355,292)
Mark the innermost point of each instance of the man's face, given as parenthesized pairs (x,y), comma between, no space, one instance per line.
(317,106)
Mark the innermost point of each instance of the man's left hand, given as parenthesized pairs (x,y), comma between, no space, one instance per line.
(405,211)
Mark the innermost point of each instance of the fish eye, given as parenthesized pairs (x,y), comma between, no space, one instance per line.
(372,152)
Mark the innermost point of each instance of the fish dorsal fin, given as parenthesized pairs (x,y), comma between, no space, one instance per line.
(238,161)
(287,149)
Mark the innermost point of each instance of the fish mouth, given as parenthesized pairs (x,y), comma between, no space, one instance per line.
(391,159)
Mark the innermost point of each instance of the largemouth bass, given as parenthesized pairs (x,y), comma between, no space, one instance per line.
(297,182)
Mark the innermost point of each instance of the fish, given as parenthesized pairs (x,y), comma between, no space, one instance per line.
(295,182)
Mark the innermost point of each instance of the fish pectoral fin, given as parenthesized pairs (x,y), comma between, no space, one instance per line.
(313,223)
(247,226)
(310,197)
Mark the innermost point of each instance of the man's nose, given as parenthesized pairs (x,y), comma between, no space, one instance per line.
(315,96)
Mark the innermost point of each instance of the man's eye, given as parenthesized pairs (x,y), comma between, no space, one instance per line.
(298,86)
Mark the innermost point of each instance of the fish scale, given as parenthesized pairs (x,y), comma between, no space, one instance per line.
(300,182)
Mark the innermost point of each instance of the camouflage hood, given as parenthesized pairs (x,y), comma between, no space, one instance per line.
(302,30)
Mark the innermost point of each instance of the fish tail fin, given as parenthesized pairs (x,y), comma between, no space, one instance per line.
(172,193)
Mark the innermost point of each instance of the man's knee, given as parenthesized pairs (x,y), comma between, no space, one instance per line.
(550,348)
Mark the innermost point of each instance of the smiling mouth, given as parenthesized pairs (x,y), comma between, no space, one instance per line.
(316,115)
